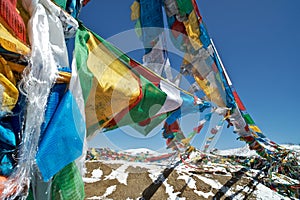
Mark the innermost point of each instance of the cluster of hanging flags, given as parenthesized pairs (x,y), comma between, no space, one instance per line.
(189,34)
(49,108)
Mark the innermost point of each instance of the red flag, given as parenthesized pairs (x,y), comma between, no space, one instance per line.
(238,101)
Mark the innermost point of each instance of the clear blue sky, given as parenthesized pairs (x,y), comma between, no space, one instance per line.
(258,42)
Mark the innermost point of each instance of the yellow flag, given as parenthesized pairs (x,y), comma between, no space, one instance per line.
(114,87)
(255,128)
(8,92)
(135,10)
(10,43)
(193,31)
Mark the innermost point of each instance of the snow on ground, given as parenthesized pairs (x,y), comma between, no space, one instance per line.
(120,174)
(140,151)
(96,176)
(90,180)
(243,151)
(97,173)
(191,183)
(264,193)
(292,147)
(155,173)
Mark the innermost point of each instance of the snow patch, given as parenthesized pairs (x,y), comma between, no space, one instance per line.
(213,183)
(96,176)
(243,151)
(292,147)
(90,180)
(140,151)
(120,174)
(191,183)
(264,192)
(170,192)
(97,173)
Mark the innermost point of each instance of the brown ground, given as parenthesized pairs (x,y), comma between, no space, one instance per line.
(140,184)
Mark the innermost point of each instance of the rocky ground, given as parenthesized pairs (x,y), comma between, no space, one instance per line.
(119,179)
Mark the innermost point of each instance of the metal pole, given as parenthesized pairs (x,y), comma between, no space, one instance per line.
(226,75)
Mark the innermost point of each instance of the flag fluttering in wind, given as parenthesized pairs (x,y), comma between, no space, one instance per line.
(117,90)
(48,109)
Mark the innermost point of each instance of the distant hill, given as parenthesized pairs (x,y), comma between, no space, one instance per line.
(243,151)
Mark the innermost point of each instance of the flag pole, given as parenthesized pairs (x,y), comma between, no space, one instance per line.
(225,72)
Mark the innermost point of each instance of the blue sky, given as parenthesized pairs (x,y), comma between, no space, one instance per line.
(258,42)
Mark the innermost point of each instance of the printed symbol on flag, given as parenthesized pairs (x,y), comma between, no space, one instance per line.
(214,131)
